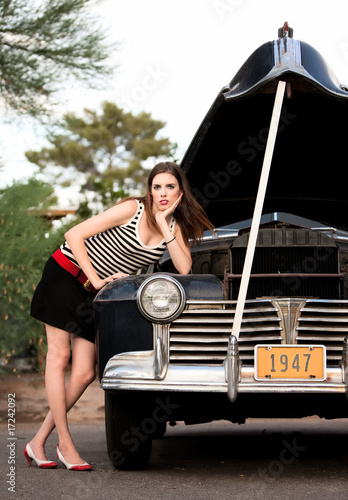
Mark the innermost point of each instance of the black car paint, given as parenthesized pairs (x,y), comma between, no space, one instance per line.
(120,325)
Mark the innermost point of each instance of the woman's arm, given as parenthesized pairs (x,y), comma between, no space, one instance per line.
(179,252)
(76,236)
(179,249)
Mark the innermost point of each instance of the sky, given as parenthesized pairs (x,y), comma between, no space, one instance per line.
(174,57)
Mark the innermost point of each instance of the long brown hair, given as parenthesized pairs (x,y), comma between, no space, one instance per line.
(190,216)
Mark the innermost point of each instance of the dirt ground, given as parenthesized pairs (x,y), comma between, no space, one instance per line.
(31,402)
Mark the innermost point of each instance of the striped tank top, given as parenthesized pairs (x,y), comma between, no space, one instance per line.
(119,249)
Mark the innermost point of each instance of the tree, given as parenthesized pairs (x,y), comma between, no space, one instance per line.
(26,241)
(110,148)
(45,43)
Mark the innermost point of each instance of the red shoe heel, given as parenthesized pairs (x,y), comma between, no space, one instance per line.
(83,466)
(42,464)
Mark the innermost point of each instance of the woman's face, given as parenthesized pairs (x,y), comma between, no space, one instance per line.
(165,191)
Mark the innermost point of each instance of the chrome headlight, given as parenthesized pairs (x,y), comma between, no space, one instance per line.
(161,298)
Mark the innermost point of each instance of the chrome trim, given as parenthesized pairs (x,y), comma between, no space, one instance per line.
(289,308)
(287,52)
(161,351)
(212,379)
(232,368)
(142,365)
(344,362)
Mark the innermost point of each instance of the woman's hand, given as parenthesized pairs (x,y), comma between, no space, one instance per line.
(162,215)
(100,283)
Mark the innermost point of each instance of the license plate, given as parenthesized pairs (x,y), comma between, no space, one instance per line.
(290,362)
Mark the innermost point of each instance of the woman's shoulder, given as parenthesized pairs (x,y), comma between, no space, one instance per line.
(130,204)
(124,211)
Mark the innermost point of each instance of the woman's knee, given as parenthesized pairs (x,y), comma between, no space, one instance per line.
(90,376)
(58,358)
(83,360)
(84,376)
(58,347)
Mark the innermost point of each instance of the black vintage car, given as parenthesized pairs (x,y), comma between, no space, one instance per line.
(169,345)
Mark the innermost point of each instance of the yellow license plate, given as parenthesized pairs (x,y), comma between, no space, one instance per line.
(290,362)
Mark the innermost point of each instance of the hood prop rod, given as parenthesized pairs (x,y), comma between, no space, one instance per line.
(249,257)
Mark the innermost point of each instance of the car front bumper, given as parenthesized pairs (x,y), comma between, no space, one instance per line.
(152,371)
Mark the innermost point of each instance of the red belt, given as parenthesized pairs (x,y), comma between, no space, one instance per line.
(69,266)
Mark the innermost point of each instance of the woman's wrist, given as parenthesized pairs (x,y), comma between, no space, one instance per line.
(166,232)
(95,281)
(169,241)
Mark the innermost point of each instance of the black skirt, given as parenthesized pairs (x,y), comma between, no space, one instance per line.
(61,301)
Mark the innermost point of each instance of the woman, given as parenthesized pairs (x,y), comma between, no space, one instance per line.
(133,233)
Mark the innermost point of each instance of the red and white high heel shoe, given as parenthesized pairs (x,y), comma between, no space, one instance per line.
(83,466)
(43,464)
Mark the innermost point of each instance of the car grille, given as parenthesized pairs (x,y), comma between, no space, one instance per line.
(324,322)
(200,335)
(290,252)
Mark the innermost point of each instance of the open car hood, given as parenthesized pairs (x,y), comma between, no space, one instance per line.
(309,174)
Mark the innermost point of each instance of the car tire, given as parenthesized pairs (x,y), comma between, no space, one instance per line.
(160,430)
(128,442)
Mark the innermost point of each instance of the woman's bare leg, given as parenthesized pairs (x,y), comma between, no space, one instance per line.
(82,375)
(62,398)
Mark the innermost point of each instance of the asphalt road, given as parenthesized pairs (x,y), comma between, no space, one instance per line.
(290,459)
